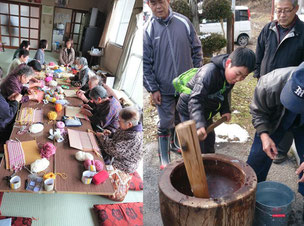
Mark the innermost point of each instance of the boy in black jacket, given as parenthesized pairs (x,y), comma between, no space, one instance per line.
(210,87)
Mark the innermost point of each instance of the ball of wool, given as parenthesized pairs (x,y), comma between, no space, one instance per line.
(58,107)
(52,115)
(48,79)
(60,125)
(52,64)
(47,150)
(40,165)
(53,83)
(36,128)
(87,163)
(98,164)
(82,156)
(88,156)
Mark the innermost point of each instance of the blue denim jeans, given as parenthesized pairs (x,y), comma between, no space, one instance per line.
(261,163)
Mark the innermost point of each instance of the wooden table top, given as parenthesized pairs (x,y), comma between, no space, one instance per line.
(62,162)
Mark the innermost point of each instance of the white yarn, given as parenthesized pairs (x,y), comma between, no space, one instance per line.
(40,165)
(82,156)
(53,83)
(36,128)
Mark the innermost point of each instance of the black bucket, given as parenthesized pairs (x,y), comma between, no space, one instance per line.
(273,204)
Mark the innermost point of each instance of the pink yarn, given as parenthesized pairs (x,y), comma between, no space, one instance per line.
(98,164)
(48,79)
(47,150)
(52,64)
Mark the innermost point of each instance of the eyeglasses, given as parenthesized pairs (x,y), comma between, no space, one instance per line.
(281,11)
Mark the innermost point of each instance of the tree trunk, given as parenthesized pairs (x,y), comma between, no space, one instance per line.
(222,25)
(194,10)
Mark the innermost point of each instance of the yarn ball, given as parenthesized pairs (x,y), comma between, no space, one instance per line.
(50,175)
(60,125)
(48,79)
(98,164)
(82,156)
(52,64)
(53,83)
(52,115)
(36,128)
(47,150)
(58,107)
(40,165)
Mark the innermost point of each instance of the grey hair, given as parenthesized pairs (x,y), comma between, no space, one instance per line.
(25,70)
(130,114)
(96,78)
(98,91)
(293,2)
(83,61)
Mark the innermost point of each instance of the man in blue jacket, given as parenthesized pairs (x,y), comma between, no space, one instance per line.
(171,47)
(281,44)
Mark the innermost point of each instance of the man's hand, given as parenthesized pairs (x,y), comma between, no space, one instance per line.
(228,116)
(268,145)
(86,112)
(156,97)
(15,97)
(86,106)
(201,133)
(80,95)
(299,170)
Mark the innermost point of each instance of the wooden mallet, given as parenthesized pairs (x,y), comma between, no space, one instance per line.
(191,151)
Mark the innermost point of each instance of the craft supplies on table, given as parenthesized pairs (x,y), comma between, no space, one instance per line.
(29,149)
(15,155)
(73,111)
(29,115)
(35,183)
(15,182)
(82,140)
(70,93)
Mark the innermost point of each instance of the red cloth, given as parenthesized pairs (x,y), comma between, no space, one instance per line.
(123,214)
(19,221)
(136,183)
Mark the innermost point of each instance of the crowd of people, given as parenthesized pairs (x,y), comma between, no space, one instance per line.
(119,129)
(172,47)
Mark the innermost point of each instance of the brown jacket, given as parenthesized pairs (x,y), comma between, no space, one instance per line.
(64,58)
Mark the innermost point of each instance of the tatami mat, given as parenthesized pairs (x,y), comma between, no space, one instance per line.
(58,209)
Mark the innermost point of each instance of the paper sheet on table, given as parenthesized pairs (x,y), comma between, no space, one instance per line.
(31,152)
(62,81)
(70,93)
(82,140)
(73,111)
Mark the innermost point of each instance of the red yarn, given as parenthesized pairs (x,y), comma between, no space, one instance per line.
(47,150)
(100,177)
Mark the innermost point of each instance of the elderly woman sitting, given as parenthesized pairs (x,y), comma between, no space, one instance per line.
(82,78)
(105,114)
(125,147)
(15,81)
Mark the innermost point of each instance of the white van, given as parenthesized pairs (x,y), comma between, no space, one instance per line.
(242,26)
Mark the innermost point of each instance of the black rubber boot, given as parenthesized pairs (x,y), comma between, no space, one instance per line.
(174,145)
(163,147)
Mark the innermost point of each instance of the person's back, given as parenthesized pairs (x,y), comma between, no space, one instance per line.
(280,44)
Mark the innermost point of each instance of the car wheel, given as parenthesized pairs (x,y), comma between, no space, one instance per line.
(243,40)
